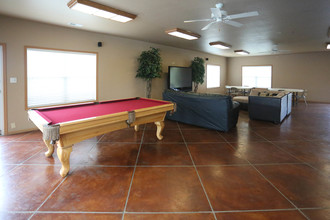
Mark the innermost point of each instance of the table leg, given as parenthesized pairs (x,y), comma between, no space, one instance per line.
(136,127)
(160,127)
(294,98)
(50,147)
(64,156)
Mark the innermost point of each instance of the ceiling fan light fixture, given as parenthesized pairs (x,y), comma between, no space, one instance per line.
(220,45)
(100,10)
(242,52)
(177,32)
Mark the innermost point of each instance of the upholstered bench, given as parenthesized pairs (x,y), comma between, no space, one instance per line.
(243,101)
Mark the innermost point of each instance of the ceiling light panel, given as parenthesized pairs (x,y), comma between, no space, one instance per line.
(177,32)
(220,45)
(242,52)
(100,10)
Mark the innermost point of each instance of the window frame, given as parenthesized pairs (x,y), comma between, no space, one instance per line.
(56,49)
(219,76)
(271,78)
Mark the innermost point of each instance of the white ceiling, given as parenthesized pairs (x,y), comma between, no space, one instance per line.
(294,25)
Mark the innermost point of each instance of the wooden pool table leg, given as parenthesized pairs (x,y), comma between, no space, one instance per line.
(50,147)
(160,127)
(63,154)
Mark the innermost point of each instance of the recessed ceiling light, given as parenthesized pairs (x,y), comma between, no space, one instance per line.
(100,10)
(220,45)
(177,32)
(242,52)
(328,46)
(75,25)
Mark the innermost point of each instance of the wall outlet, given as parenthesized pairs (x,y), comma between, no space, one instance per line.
(13,79)
(13,125)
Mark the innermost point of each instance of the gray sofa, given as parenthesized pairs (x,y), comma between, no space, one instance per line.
(270,108)
(211,111)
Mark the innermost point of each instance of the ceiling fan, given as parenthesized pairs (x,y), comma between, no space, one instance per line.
(275,50)
(219,15)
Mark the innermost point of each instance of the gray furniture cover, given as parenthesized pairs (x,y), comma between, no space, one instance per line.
(272,109)
(212,111)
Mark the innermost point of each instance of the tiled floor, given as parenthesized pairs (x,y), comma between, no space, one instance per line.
(256,171)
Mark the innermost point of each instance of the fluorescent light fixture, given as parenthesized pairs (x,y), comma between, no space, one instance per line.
(75,25)
(220,45)
(328,46)
(242,52)
(177,32)
(100,10)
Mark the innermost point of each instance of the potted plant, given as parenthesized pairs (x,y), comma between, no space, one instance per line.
(198,72)
(149,67)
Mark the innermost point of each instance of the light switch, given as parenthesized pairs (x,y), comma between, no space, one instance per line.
(13,79)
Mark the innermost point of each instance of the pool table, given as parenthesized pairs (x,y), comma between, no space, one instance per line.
(70,124)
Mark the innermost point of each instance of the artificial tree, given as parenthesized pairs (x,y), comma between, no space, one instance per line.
(198,72)
(149,67)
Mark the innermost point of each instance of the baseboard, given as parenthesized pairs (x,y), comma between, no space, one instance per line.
(22,131)
(315,102)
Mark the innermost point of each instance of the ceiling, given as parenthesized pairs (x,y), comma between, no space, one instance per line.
(295,26)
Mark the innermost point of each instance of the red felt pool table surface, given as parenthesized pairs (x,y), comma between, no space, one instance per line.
(55,115)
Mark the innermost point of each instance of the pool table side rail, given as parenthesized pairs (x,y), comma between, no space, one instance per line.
(37,119)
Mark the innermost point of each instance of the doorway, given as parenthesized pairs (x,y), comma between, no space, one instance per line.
(3,127)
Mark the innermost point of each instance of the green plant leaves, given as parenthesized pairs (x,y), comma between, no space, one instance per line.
(198,70)
(149,64)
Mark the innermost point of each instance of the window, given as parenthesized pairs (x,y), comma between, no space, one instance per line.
(60,77)
(257,76)
(213,76)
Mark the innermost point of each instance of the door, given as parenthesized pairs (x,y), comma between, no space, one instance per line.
(1,92)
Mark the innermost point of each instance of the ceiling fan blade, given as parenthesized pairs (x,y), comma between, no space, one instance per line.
(233,23)
(208,19)
(216,12)
(207,26)
(243,15)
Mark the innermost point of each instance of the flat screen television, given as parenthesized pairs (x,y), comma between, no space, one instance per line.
(180,78)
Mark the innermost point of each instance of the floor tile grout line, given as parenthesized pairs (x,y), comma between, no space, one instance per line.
(48,197)
(188,212)
(280,192)
(54,189)
(135,166)
(272,142)
(255,210)
(121,166)
(302,162)
(199,178)
(283,150)
(277,189)
(37,152)
(21,137)
(150,213)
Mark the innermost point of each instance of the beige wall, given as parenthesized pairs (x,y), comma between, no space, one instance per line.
(117,62)
(309,71)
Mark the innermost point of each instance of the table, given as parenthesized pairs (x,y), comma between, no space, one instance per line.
(293,91)
(245,89)
(70,124)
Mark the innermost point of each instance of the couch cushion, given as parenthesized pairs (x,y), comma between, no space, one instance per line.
(257,91)
(281,94)
(242,99)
